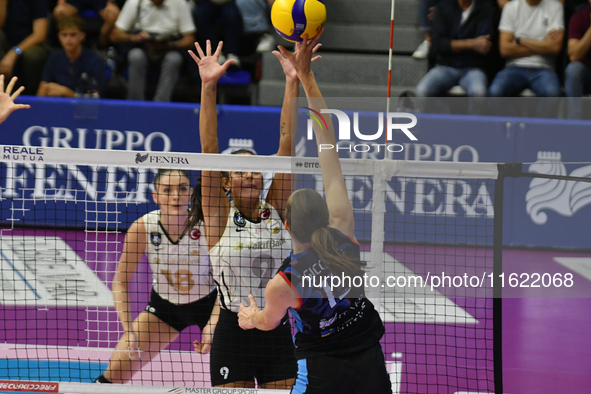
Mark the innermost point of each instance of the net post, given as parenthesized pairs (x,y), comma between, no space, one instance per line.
(513,170)
(497,290)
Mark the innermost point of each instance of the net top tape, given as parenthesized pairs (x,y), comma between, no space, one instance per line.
(218,162)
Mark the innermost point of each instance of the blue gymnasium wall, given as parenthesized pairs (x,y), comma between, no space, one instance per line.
(537,213)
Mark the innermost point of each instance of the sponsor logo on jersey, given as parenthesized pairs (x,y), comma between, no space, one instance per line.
(265,214)
(274,227)
(156,238)
(195,234)
(239,220)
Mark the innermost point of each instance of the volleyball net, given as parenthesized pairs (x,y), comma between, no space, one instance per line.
(426,230)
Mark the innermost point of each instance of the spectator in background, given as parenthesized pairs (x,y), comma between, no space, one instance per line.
(22,48)
(206,15)
(578,72)
(107,9)
(255,19)
(159,29)
(74,68)
(426,12)
(531,35)
(461,42)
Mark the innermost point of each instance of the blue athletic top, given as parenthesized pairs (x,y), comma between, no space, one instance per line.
(61,70)
(335,321)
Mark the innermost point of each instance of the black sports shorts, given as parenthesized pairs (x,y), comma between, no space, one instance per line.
(363,372)
(246,355)
(182,316)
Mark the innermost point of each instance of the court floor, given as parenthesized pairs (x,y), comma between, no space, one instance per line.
(546,341)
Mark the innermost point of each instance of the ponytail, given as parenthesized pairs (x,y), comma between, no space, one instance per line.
(336,258)
(308,217)
(196,210)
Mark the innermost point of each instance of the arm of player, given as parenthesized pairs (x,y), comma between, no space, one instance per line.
(214,203)
(337,199)
(204,346)
(133,249)
(7,105)
(279,297)
(281,187)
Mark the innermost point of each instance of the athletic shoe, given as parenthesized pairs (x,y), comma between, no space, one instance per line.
(422,51)
(266,43)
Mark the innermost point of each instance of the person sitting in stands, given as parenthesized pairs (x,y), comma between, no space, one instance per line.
(461,38)
(74,68)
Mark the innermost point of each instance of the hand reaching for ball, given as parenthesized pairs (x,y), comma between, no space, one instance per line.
(301,59)
(288,69)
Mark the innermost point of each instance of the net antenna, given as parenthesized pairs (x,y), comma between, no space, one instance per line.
(390,50)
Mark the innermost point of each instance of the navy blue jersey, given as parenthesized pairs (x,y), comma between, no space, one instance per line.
(329,321)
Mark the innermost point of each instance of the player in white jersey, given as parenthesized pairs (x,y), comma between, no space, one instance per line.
(247,243)
(183,293)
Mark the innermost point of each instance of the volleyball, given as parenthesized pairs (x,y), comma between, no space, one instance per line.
(292,19)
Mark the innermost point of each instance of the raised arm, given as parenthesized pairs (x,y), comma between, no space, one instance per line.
(281,187)
(215,203)
(337,199)
(7,105)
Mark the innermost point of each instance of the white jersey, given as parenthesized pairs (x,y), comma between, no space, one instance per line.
(181,270)
(248,256)
(535,22)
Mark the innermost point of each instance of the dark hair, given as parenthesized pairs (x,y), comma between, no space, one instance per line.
(70,22)
(226,174)
(196,210)
(308,216)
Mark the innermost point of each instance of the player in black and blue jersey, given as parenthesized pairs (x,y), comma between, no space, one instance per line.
(337,343)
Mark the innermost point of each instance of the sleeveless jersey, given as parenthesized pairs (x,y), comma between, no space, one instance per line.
(329,322)
(248,255)
(181,270)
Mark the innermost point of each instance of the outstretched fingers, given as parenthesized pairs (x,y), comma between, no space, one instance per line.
(286,54)
(199,50)
(1,83)
(208,48)
(316,38)
(17,93)
(218,50)
(195,58)
(10,85)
